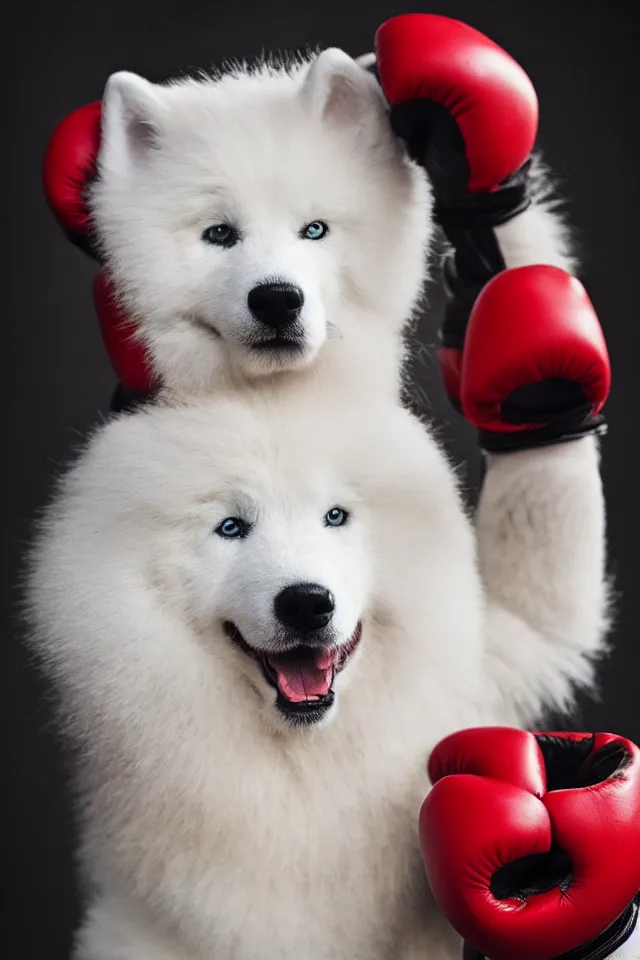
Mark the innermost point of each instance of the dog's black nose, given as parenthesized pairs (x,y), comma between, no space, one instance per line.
(304,607)
(276,304)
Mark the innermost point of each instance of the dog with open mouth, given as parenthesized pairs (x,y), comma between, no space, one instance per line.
(260,618)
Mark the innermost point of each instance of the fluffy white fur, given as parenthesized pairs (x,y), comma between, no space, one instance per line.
(210,829)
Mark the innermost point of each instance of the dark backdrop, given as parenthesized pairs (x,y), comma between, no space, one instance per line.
(581,56)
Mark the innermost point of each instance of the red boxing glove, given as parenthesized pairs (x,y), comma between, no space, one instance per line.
(69,165)
(467,111)
(532,842)
(535,368)
(468,114)
(127,354)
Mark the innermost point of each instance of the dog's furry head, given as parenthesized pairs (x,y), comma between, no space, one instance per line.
(286,175)
(179,532)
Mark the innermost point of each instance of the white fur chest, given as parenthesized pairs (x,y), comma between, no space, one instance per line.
(281,867)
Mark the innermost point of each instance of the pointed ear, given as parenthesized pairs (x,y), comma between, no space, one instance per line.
(343,92)
(132,112)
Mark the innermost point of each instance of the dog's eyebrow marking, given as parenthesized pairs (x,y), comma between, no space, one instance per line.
(246,506)
(233,499)
(209,204)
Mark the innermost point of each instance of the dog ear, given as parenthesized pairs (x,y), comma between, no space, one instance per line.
(343,93)
(132,111)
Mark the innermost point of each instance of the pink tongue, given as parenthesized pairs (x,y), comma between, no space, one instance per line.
(301,678)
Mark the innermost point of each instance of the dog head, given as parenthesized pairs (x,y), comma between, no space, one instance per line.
(246,563)
(221,544)
(278,577)
(247,218)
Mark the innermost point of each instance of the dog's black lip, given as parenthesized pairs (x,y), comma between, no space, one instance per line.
(236,638)
(307,712)
(269,672)
(238,641)
(278,343)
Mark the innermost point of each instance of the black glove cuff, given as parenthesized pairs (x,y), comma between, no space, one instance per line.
(562,430)
(604,946)
(475,260)
(456,316)
(481,210)
(476,256)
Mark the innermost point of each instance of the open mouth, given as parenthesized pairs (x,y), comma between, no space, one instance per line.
(302,677)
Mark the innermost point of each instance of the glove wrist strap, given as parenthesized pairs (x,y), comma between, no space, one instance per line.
(487,209)
(562,430)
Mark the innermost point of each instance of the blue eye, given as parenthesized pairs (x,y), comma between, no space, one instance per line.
(315,230)
(221,235)
(233,528)
(336,517)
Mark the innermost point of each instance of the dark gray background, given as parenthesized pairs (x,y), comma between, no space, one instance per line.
(582,58)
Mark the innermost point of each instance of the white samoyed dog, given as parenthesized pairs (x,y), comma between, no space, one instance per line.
(260,617)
